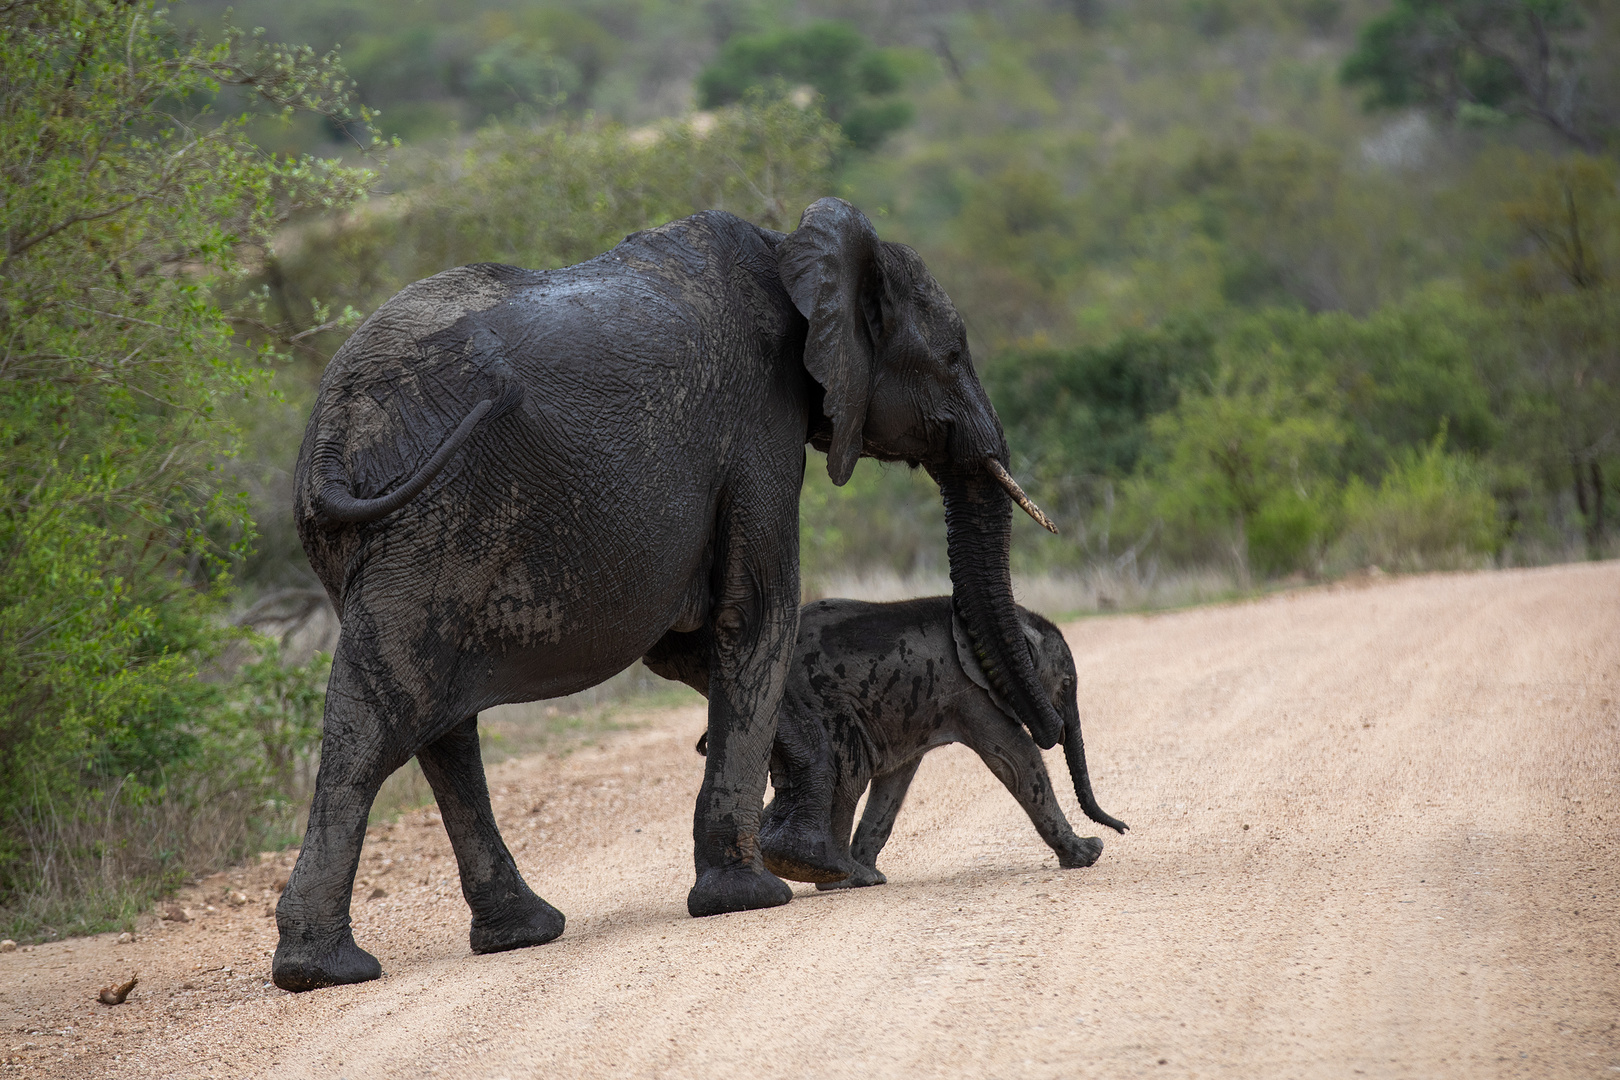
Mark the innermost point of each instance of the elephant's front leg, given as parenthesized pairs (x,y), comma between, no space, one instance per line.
(755,623)
(1014,758)
(506,913)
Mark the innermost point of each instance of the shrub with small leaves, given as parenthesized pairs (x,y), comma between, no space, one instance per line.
(131,208)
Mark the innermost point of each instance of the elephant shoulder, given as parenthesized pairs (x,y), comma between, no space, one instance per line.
(691,245)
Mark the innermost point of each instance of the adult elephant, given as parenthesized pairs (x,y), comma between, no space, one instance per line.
(515,483)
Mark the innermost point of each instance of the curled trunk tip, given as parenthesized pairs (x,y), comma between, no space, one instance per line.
(1004,478)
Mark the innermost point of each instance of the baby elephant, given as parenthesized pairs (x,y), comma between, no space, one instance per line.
(873,688)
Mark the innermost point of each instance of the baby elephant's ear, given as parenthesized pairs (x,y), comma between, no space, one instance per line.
(970,662)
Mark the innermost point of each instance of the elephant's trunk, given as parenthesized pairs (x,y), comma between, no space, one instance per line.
(978,533)
(1074,750)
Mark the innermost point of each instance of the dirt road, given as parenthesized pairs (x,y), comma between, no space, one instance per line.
(1374,832)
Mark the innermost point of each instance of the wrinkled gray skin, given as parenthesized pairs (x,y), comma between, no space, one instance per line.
(874,687)
(514,483)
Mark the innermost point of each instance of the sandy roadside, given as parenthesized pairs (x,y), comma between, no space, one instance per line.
(1374,832)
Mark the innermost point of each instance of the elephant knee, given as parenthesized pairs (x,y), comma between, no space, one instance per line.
(731,623)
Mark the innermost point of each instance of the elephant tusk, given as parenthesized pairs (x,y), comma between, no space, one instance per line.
(1004,478)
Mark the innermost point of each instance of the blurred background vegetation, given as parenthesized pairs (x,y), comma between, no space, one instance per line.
(1263,290)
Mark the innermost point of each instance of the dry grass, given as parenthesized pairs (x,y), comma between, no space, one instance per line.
(97,864)
(1091,591)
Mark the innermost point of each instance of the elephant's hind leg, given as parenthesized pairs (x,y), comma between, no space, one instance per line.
(883,804)
(316,946)
(506,913)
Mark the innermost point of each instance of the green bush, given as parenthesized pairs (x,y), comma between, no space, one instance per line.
(1432,510)
(189,774)
(128,205)
(1086,410)
(856,82)
(1241,471)
(1287,532)
(1396,375)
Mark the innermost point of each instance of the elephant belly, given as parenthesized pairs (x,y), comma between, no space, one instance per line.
(549,628)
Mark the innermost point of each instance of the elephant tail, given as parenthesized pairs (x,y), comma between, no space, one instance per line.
(336,505)
(1074,751)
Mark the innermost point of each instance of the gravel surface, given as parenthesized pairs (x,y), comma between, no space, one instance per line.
(1375,831)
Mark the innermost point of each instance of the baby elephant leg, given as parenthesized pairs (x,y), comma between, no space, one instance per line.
(882,807)
(1013,757)
(797,835)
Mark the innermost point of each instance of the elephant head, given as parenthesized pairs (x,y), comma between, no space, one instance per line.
(891,354)
(1054,664)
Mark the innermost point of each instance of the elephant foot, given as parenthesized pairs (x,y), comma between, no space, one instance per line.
(737,888)
(1082,853)
(522,923)
(298,967)
(797,869)
(860,877)
(799,857)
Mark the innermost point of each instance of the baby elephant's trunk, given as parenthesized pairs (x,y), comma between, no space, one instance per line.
(1075,751)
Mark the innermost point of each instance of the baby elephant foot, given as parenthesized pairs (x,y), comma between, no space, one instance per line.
(860,877)
(800,856)
(735,888)
(1084,851)
(524,921)
(300,966)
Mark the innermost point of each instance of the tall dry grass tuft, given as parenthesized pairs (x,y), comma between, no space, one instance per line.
(90,858)
(1095,589)
(96,864)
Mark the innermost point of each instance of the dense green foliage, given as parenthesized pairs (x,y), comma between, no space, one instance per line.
(1481,59)
(1092,403)
(856,83)
(126,205)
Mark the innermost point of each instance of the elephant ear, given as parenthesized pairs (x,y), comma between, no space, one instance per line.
(974,671)
(829,265)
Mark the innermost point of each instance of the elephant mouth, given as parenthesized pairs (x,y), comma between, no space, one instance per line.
(1025,503)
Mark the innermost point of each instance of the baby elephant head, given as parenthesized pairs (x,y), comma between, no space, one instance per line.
(1054,664)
